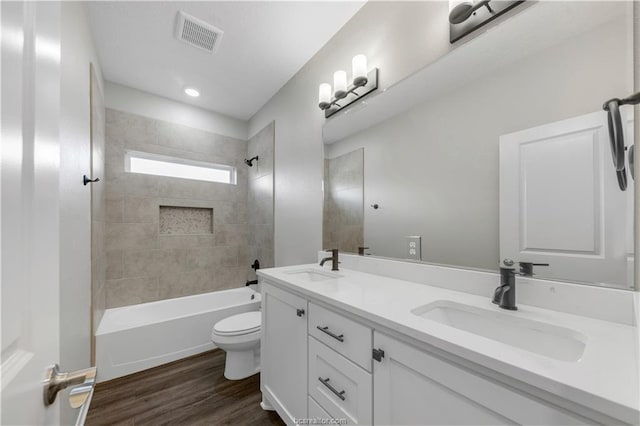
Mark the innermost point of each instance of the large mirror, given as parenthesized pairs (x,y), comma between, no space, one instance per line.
(507,159)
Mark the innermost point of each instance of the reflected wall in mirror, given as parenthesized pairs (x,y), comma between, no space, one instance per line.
(436,169)
(343,216)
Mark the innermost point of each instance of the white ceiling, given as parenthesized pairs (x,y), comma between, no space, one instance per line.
(264,45)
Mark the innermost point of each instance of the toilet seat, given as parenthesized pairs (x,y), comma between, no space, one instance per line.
(240,324)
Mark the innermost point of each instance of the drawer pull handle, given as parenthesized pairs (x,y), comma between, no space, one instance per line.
(325,330)
(300,312)
(331,388)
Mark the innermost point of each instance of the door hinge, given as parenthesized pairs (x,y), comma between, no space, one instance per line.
(378,354)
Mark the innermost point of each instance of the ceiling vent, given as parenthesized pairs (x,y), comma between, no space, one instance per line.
(198,33)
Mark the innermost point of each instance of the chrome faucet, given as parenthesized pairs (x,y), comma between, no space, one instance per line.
(505,294)
(333,258)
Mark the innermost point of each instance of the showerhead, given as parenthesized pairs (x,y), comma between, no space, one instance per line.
(463,11)
(249,162)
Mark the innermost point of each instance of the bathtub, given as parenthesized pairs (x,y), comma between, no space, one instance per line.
(137,337)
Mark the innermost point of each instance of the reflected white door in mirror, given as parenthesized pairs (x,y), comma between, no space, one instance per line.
(560,203)
(423,344)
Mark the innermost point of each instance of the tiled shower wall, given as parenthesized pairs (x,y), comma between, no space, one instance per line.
(261,198)
(143,264)
(343,213)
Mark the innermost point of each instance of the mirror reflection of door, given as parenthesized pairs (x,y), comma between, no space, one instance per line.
(560,203)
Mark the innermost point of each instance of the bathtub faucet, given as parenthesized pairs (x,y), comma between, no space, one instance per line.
(252,282)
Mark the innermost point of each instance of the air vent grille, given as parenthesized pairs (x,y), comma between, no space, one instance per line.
(198,33)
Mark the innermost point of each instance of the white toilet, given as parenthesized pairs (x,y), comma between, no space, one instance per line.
(239,337)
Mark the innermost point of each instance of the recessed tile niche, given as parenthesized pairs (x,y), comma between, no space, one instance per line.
(185,220)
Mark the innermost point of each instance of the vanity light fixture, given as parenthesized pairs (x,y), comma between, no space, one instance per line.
(190,91)
(363,82)
(463,10)
(466,16)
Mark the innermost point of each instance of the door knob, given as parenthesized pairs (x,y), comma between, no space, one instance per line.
(55,381)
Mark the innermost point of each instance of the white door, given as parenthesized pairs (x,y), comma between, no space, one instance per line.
(29,249)
(560,203)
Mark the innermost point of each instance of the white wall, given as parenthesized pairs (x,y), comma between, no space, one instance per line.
(77,52)
(434,170)
(135,101)
(397,37)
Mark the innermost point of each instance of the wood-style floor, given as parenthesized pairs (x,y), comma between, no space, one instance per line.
(191,391)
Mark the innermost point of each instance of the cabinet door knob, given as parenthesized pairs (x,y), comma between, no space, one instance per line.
(300,312)
(378,354)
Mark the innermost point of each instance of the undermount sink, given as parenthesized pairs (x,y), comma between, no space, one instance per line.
(552,341)
(314,275)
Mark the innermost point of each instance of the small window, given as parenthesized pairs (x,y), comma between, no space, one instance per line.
(160,165)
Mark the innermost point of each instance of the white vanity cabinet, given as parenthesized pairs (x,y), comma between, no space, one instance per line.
(414,387)
(331,364)
(284,352)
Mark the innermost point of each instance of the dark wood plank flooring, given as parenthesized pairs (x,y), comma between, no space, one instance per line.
(191,391)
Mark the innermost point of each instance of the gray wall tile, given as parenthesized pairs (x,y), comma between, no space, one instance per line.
(141,264)
(114,207)
(259,208)
(343,213)
(115,265)
(131,291)
(140,209)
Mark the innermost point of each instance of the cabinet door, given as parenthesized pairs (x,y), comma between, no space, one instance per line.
(284,352)
(412,387)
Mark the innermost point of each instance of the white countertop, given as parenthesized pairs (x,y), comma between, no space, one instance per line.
(606,378)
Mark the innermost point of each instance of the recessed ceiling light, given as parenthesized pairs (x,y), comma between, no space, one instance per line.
(190,91)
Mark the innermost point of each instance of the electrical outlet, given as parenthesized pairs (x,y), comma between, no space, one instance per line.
(413,247)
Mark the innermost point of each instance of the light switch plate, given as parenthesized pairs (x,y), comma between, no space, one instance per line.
(413,247)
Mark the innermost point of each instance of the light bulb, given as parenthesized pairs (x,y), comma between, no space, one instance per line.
(340,84)
(359,69)
(190,91)
(324,95)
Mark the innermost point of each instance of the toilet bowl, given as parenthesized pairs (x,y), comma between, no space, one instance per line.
(239,336)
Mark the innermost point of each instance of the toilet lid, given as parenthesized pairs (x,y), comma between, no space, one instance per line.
(245,323)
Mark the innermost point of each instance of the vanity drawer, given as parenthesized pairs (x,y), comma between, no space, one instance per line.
(346,336)
(317,412)
(341,388)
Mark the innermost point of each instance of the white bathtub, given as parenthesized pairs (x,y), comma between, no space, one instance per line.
(137,337)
